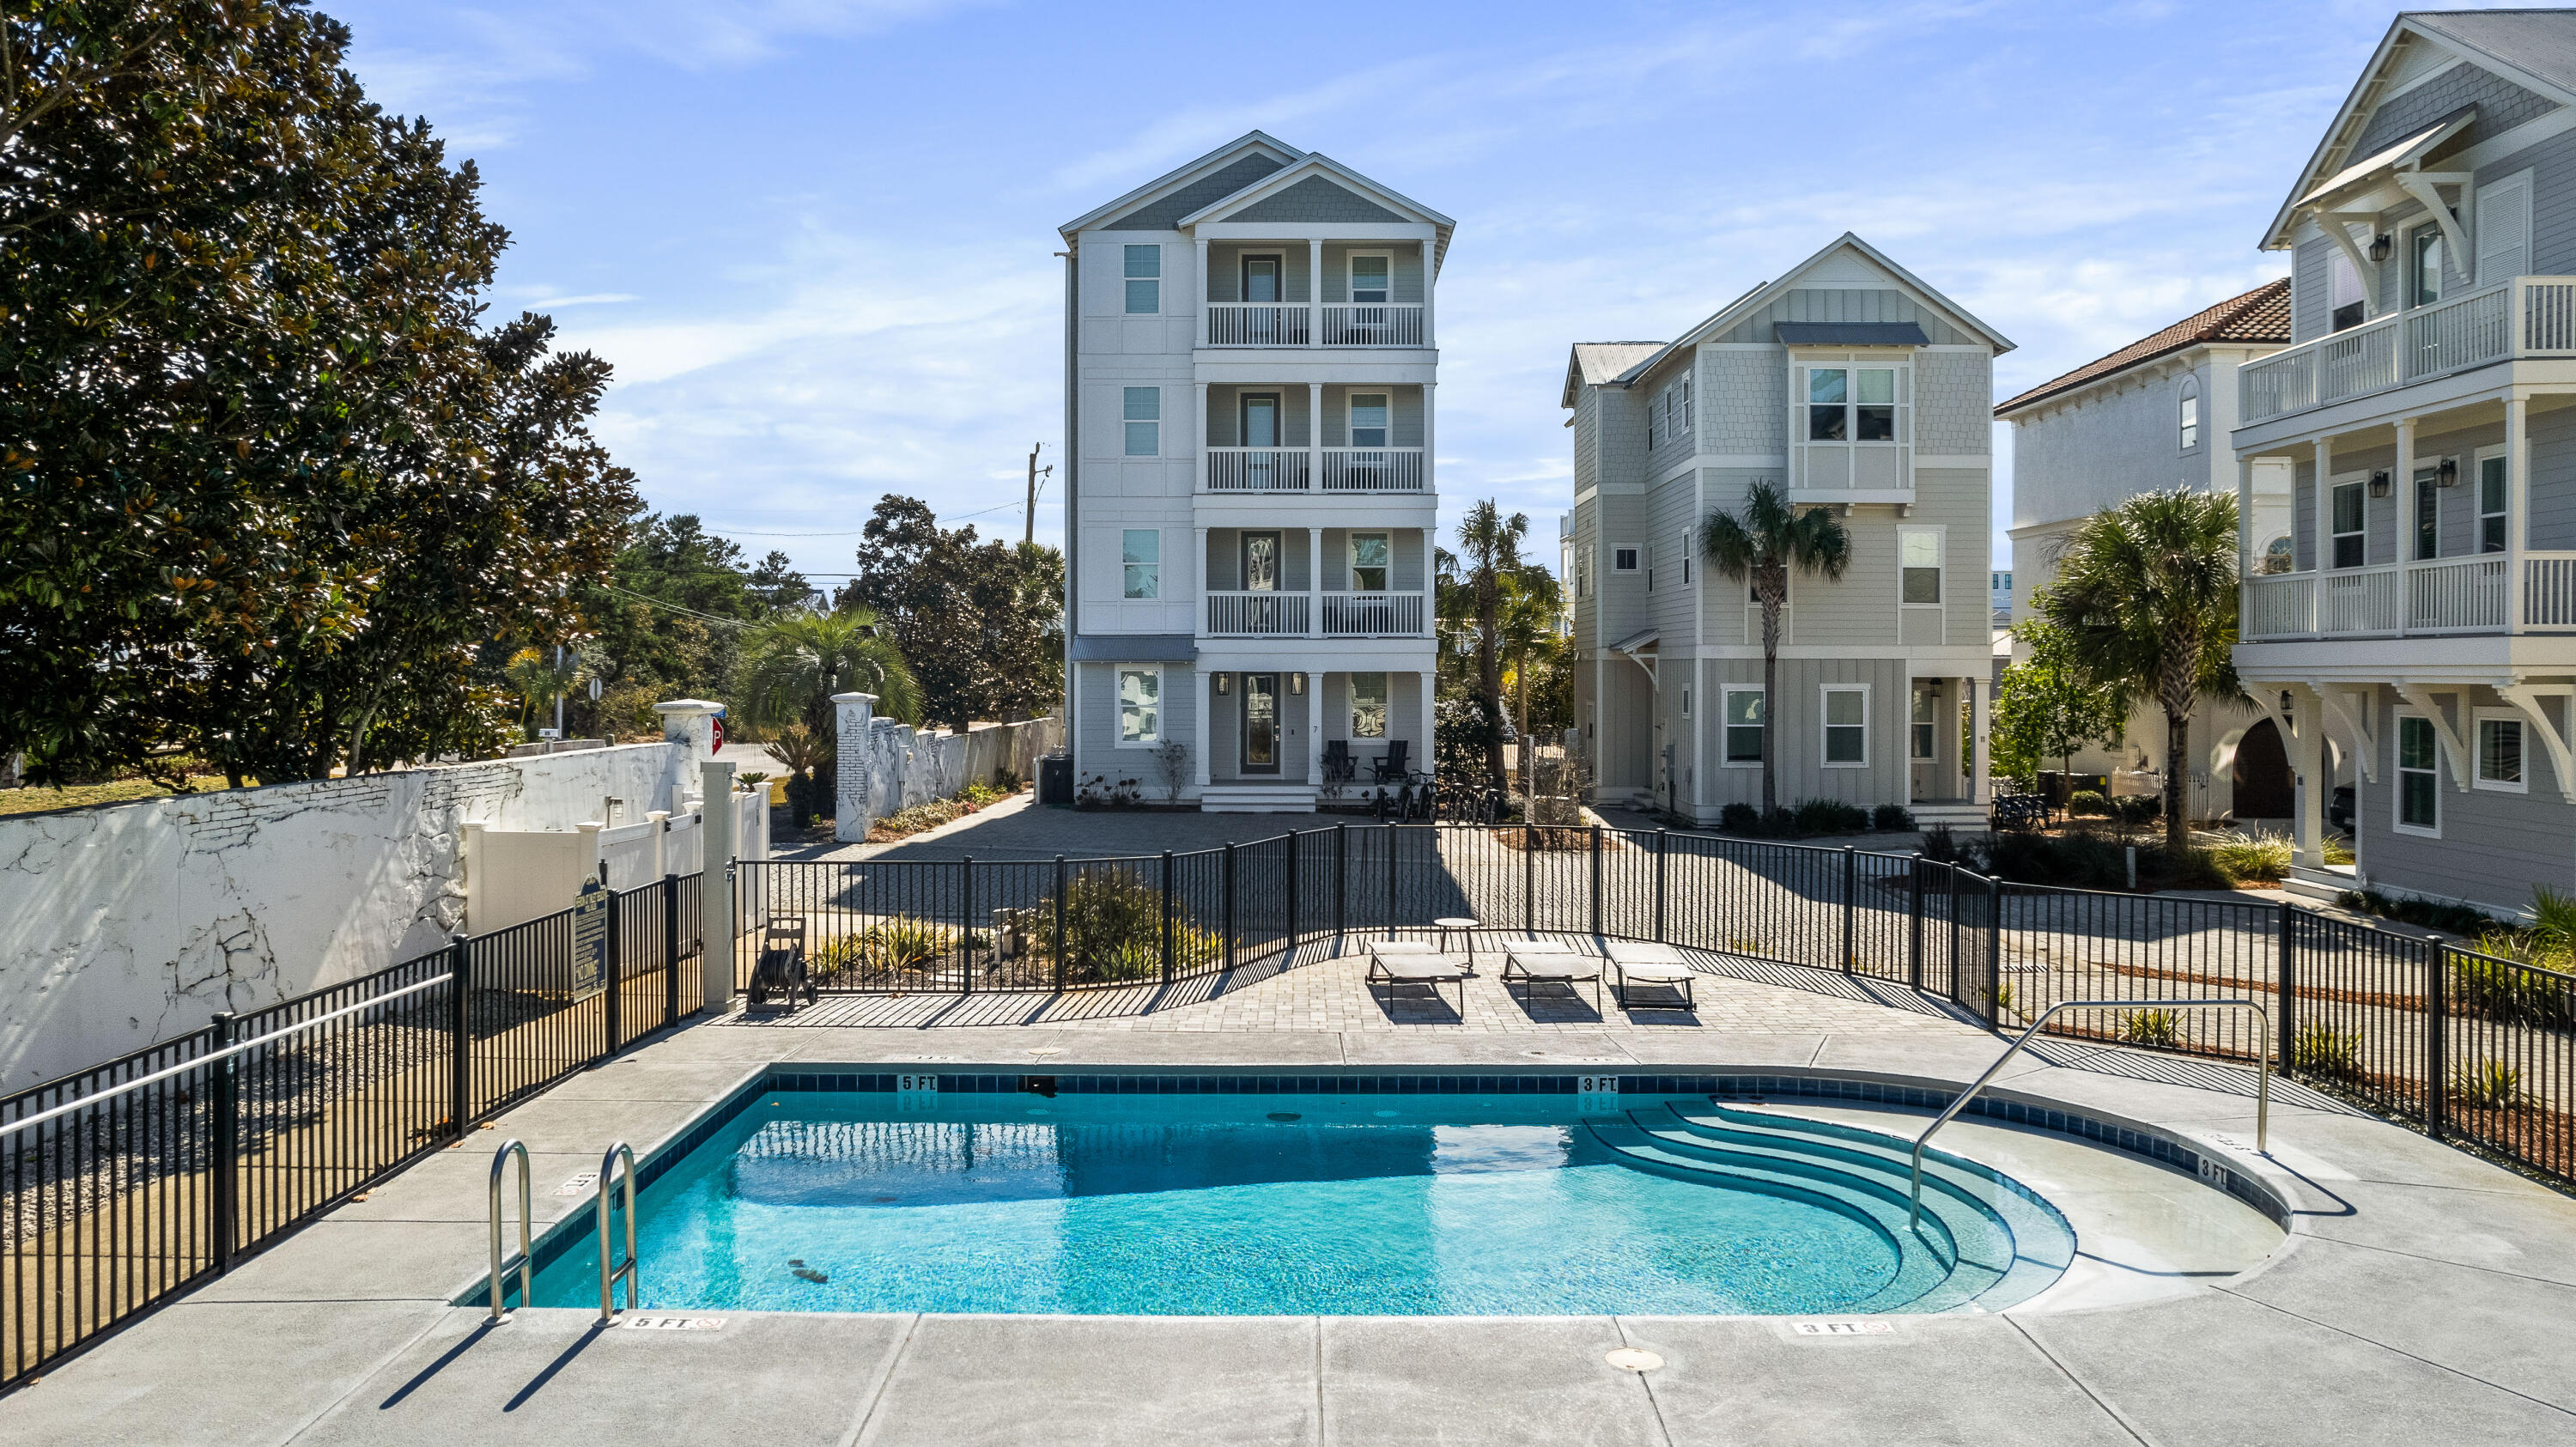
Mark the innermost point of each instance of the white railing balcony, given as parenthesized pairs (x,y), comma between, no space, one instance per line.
(1372,469)
(2442,595)
(2359,600)
(2280,605)
(1256,615)
(2549,590)
(2525,316)
(1373,324)
(1257,469)
(2456,595)
(1259,324)
(1373,615)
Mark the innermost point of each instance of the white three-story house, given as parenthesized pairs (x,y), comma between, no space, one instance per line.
(2422,618)
(1250,359)
(1847,383)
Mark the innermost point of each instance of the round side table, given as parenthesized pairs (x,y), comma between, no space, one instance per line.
(1450,924)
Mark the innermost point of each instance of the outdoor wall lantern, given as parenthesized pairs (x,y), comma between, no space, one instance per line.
(1224,684)
(1297,683)
(2379,484)
(2381,245)
(2449,475)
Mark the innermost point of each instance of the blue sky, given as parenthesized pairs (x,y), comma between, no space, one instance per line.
(814,236)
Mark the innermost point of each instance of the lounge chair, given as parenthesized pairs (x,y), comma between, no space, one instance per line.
(1395,971)
(1638,962)
(1531,963)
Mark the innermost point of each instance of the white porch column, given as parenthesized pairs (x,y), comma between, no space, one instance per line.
(1315,291)
(1428,485)
(1314,436)
(1201,289)
(2245,562)
(1980,701)
(1427,749)
(2308,769)
(1199,585)
(2321,525)
(2517,503)
(1430,338)
(716,816)
(1314,730)
(1206,705)
(2404,492)
(1314,582)
(1199,430)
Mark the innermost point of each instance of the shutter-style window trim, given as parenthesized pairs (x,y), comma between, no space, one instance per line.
(2504,228)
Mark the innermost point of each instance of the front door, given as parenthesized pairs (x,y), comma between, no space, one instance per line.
(1260,424)
(1921,733)
(1261,723)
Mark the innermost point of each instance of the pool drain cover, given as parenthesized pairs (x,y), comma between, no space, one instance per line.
(1285,1115)
(1631,1359)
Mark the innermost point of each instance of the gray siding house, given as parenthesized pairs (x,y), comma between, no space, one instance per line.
(1250,365)
(2421,614)
(1849,384)
(2155,415)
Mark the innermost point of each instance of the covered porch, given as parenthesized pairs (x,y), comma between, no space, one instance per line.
(1289,735)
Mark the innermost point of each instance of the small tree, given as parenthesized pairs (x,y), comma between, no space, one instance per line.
(791,667)
(2047,709)
(1767,544)
(1474,587)
(2146,593)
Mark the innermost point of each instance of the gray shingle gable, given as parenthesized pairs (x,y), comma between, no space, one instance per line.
(2501,104)
(1165,214)
(1313,199)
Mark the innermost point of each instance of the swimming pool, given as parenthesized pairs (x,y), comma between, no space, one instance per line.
(1310,1203)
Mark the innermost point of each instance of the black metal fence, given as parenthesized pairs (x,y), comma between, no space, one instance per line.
(130,1182)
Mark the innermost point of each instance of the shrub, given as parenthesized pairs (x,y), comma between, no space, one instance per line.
(899,945)
(1739,819)
(1829,816)
(2137,808)
(1113,930)
(2488,1085)
(2244,858)
(2503,990)
(2320,1049)
(2087,801)
(1892,819)
(2458,919)
(2150,1027)
(1943,847)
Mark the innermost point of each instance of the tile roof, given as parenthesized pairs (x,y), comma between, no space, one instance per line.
(2260,315)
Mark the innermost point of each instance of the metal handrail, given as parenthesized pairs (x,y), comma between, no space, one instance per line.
(610,1276)
(2262,1086)
(527,1258)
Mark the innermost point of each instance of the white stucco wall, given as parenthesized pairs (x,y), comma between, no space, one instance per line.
(134,923)
(885,766)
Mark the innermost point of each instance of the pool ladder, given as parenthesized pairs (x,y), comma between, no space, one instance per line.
(525,1264)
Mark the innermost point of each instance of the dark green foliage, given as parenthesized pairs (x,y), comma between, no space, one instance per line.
(2501,990)
(1491,608)
(1739,819)
(1892,819)
(2087,801)
(1768,543)
(2458,919)
(1830,816)
(2137,808)
(1943,847)
(981,624)
(1466,739)
(2094,861)
(665,625)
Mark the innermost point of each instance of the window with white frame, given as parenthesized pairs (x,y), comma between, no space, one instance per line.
(1920,729)
(1851,404)
(2418,772)
(1919,555)
(2190,416)
(1668,416)
(1369,274)
(1368,419)
(2500,752)
(1140,552)
(1371,557)
(2428,513)
(1140,706)
(1743,726)
(2343,292)
(1650,567)
(1686,557)
(1623,560)
(1368,705)
(1144,416)
(1686,693)
(1144,279)
(1846,724)
(2347,525)
(2493,494)
(2424,253)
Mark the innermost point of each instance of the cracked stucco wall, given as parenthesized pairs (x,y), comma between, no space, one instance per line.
(130,924)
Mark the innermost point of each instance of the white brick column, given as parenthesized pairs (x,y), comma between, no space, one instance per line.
(854,798)
(1202,290)
(2517,504)
(716,815)
(1199,431)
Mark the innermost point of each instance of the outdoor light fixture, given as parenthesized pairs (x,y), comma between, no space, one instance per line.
(1224,684)
(2379,484)
(2449,475)
(1297,683)
(2381,245)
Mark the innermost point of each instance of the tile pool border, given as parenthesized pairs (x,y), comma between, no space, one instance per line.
(2105,1129)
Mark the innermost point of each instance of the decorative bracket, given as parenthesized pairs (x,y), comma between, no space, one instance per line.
(2526,697)
(2422,186)
(2422,695)
(2340,714)
(2337,227)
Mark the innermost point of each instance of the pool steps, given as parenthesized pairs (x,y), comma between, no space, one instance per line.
(1985,1246)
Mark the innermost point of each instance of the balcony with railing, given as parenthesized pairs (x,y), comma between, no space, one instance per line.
(2440,596)
(1323,469)
(1236,614)
(2524,316)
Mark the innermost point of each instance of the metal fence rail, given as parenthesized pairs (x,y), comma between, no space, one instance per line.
(128,1183)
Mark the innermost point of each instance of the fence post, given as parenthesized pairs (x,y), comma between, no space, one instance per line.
(613,978)
(225,1115)
(2285,982)
(966,929)
(1851,868)
(1167,916)
(1293,837)
(1663,842)
(1059,924)
(1914,921)
(670,949)
(2437,1051)
(1341,878)
(1596,879)
(1994,953)
(460,1074)
(1229,904)
(1529,878)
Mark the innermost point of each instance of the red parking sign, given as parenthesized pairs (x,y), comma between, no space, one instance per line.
(718,721)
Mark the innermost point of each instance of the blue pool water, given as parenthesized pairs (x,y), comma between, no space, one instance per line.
(1231,1205)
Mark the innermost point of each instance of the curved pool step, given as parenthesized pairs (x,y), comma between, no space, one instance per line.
(2043,1241)
(1927,1268)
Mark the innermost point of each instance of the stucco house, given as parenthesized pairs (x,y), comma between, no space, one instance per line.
(2155,415)
(2423,616)
(1251,353)
(1849,383)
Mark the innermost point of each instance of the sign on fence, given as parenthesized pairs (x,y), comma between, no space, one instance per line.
(590,940)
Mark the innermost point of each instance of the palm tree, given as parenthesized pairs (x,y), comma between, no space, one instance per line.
(1766,544)
(792,665)
(1471,602)
(2147,592)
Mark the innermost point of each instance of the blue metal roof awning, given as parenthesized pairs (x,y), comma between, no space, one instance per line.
(1851,334)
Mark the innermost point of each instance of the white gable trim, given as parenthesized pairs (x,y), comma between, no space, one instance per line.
(1250,143)
(1312,164)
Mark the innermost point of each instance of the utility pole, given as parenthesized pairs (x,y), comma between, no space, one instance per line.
(1029,528)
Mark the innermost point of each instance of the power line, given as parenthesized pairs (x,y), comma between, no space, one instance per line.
(676,608)
(854,532)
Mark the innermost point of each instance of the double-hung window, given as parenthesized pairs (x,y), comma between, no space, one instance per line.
(1686,557)
(2347,525)
(1371,555)
(2418,795)
(2500,753)
(1140,705)
(1668,417)
(1369,279)
(1140,552)
(1744,726)
(1846,726)
(1920,729)
(1368,419)
(1144,415)
(2492,495)
(2343,292)
(1144,268)
(1368,705)
(1920,553)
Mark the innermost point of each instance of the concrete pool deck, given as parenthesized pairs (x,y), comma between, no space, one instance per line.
(2423,1296)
